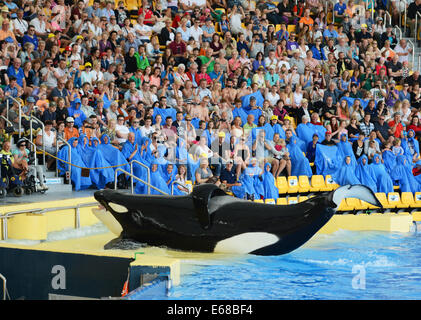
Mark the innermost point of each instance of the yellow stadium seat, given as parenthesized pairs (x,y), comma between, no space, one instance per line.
(394,199)
(303,183)
(381,196)
(356,204)
(270,201)
(258,200)
(292,200)
(132,5)
(417,200)
(293,186)
(220,9)
(291,28)
(317,183)
(277,27)
(344,206)
(407,200)
(302,198)
(282,185)
(399,87)
(330,183)
(281,201)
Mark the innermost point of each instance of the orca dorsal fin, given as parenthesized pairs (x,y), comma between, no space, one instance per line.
(201,195)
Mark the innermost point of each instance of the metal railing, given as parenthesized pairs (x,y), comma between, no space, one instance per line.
(404,14)
(419,61)
(70,157)
(2,277)
(387,15)
(400,33)
(11,214)
(413,53)
(149,174)
(416,26)
(34,149)
(20,112)
(7,120)
(372,8)
(176,182)
(31,119)
(137,178)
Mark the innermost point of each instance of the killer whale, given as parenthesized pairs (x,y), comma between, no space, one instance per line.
(209,220)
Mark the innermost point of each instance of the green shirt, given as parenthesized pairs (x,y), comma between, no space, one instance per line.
(205,60)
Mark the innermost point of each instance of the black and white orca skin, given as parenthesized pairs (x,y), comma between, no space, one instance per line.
(209,220)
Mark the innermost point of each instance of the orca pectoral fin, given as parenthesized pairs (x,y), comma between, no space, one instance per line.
(358,191)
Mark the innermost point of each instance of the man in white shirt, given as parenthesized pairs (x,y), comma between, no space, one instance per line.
(147,129)
(271,60)
(143,32)
(195,31)
(40,25)
(403,51)
(20,26)
(122,131)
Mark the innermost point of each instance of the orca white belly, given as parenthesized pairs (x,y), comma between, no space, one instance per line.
(246,242)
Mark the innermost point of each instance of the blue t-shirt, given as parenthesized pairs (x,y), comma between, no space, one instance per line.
(340,9)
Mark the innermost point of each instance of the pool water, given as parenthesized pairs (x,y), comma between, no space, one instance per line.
(343,265)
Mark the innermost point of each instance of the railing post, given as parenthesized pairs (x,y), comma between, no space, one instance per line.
(404,27)
(2,277)
(147,169)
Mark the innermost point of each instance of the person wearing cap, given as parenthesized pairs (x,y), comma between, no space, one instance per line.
(229,180)
(328,139)
(70,131)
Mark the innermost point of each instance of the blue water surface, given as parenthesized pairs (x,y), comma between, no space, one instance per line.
(343,265)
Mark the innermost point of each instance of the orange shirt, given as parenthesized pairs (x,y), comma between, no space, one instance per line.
(308,21)
(70,134)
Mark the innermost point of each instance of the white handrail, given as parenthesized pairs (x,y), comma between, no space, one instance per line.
(137,178)
(8,215)
(35,149)
(387,14)
(400,32)
(32,118)
(7,120)
(20,112)
(2,277)
(131,172)
(416,25)
(413,52)
(176,182)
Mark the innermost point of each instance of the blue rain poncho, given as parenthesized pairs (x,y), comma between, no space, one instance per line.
(99,177)
(184,157)
(271,191)
(300,166)
(248,183)
(164,113)
(410,146)
(306,131)
(402,174)
(79,182)
(383,181)
(389,160)
(112,154)
(269,131)
(345,149)
(156,180)
(365,174)
(75,112)
(328,159)
(138,170)
(346,174)
(255,174)
(169,176)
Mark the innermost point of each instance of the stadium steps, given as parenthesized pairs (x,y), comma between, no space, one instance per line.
(56,184)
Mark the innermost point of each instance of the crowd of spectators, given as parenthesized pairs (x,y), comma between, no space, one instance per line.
(231,92)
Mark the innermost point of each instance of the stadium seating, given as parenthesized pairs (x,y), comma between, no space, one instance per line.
(282,185)
(293,185)
(281,201)
(304,184)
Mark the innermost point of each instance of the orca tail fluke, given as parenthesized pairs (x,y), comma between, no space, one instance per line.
(358,191)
